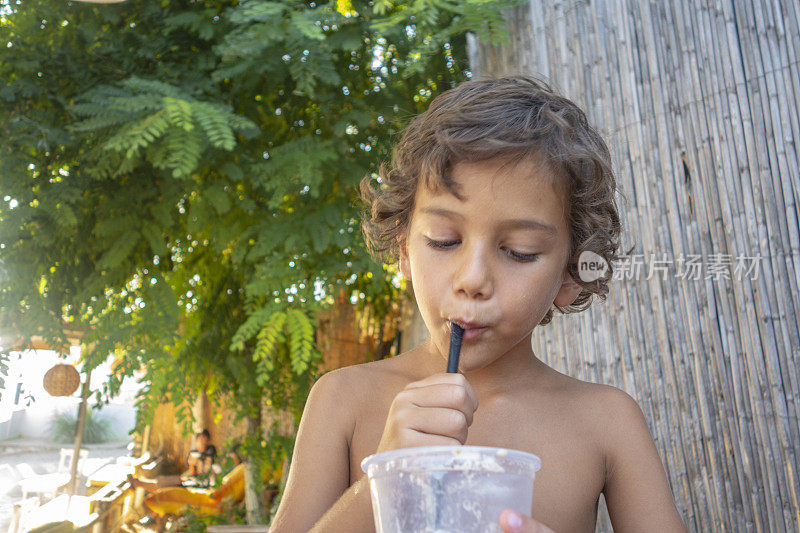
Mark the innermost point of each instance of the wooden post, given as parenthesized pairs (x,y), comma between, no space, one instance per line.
(139,493)
(79,425)
(201,412)
(145,440)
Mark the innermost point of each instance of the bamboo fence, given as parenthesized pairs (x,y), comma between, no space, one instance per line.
(699,104)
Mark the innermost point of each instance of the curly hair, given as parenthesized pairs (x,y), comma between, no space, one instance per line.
(514,117)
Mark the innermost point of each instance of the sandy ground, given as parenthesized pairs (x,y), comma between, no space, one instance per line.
(42,456)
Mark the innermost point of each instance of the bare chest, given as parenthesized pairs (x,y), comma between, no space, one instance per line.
(573,472)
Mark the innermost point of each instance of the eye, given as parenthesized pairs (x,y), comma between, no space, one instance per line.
(441,245)
(520,257)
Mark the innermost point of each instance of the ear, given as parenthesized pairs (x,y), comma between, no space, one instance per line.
(405,265)
(568,292)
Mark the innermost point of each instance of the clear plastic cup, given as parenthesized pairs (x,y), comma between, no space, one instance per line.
(453,489)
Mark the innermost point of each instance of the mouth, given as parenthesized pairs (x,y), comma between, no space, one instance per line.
(472,329)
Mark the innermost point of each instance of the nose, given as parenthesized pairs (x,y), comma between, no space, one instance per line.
(473,273)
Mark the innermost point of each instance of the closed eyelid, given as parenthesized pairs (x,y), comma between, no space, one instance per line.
(442,240)
(450,237)
(510,250)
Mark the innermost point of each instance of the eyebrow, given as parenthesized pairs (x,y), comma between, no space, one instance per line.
(524,223)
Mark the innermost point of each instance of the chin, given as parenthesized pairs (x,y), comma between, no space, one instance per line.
(470,364)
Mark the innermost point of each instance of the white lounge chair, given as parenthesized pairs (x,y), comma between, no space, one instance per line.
(43,485)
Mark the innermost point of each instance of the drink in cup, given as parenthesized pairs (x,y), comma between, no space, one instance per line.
(452,489)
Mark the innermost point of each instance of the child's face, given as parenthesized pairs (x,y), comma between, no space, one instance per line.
(493,262)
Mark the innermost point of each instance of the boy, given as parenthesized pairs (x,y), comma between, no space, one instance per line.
(492,195)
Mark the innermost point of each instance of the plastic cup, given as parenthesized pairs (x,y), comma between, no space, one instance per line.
(453,489)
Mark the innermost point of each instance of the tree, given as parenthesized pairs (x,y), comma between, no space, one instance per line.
(180,178)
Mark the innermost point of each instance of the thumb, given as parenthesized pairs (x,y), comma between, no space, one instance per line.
(514,522)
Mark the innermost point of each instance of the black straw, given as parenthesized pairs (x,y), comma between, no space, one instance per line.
(456,335)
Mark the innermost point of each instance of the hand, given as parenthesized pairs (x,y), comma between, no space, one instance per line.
(514,522)
(436,411)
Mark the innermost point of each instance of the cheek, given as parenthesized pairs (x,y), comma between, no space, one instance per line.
(533,300)
(423,267)
(534,306)
(425,283)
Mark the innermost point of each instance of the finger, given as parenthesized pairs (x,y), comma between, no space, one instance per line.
(417,438)
(514,522)
(446,396)
(440,421)
(447,379)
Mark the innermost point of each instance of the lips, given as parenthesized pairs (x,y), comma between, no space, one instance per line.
(471,328)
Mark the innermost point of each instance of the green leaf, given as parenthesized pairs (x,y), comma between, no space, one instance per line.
(302,22)
(218,198)
(233,171)
(179,112)
(214,120)
(319,236)
(155,239)
(119,251)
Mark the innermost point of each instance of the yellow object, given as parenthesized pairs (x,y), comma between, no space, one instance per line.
(232,485)
(345,7)
(174,500)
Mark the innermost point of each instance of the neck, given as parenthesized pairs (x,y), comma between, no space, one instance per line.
(517,368)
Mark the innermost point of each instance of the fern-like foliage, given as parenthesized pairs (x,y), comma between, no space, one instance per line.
(300,331)
(269,337)
(155,122)
(280,337)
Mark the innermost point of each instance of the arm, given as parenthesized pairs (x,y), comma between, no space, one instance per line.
(193,462)
(637,492)
(436,410)
(319,476)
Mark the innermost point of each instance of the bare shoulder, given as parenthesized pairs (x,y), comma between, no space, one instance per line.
(338,393)
(613,414)
(365,378)
(611,405)
(341,383)
(607,412)
(636,488)
(603,403)
(345,390)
